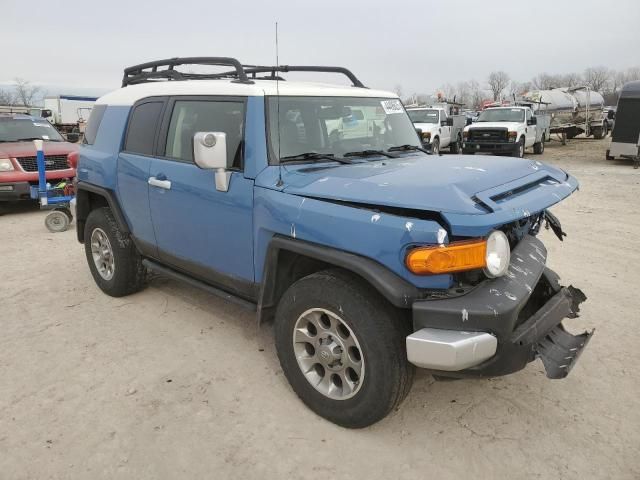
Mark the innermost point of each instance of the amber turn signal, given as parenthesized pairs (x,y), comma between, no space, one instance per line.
(455,257)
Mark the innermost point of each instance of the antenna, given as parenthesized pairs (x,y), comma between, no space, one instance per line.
(279,183)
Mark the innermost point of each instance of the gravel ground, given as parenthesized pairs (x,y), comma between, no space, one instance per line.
(173,383)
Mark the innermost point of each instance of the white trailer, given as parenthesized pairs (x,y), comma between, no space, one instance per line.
(572,110)
(68,113)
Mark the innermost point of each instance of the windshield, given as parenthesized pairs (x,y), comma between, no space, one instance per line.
(502,115)
(16,130)
(337,125)
(423,116)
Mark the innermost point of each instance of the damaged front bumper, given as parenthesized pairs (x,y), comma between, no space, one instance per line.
(502,324)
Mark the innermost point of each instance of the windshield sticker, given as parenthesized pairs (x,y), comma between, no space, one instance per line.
(38,124)
(45,137)
(392,106)
(515,109)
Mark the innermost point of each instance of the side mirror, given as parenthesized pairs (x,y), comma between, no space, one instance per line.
(46,113)
(532,121)
(611,114)
(469,120)
(443,123)
(73,137)
(210,153)
(449,122)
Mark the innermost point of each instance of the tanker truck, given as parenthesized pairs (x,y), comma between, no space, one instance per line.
(572,110)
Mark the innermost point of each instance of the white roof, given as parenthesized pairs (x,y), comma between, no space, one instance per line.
(129,95)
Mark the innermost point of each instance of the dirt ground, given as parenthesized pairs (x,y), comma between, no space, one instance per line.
(173,383)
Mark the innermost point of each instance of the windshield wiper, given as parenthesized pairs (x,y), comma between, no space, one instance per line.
(314,156)
(369,153)
(408,148)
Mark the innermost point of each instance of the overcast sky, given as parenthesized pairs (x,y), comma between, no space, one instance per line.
(421,45)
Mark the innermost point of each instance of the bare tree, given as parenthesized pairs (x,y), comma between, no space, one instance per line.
(597,78)
(7,97)
(498,81)
(25,92)
(476,94)
(571,80)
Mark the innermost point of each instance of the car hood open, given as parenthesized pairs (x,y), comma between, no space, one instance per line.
(468,191)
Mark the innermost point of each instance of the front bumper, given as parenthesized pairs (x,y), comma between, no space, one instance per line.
(14,191)
(470,146)
(522,311)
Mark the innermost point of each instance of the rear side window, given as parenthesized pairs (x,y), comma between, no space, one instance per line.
(192,116)
(91,130)
(142,127)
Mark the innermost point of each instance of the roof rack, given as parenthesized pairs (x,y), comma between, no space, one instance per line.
(150,72)
(254,69)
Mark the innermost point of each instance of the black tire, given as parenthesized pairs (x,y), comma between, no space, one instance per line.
(519,150)
(435,146)
(538,148)
(380,330)
(129,275)
(598,133)
(456,147)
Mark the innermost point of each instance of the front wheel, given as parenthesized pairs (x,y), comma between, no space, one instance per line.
(113,259)
(435,146)
(538,148)
(342,348)
(519,151)
(456,147)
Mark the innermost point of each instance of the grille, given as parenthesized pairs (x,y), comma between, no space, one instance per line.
(51,162)
(489,135)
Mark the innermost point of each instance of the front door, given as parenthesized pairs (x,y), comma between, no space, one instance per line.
(199,230)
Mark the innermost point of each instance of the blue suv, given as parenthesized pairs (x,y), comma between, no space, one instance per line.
(316,206)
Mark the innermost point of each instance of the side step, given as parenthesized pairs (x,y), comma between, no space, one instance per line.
(168,272)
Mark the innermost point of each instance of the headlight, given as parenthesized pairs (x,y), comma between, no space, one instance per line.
(5,165)
(426,135)
(498,254)
(465,134)
(512,136)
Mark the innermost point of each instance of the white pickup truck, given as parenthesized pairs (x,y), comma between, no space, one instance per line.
(438,130)
(506,130)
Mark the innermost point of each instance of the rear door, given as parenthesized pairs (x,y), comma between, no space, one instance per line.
(200,230)
(134,162)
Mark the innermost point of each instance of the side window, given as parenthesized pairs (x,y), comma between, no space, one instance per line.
(91,130)
(192,116)
(142,128)
(528,115)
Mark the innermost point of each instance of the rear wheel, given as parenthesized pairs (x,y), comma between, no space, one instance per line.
(113,259)
(538,148)
(342,348)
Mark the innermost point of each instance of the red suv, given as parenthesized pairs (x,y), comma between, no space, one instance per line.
(18,166)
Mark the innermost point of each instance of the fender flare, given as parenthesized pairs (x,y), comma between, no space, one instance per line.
(83,207)
(398,291)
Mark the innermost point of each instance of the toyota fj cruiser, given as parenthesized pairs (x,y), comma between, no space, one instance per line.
(372,256)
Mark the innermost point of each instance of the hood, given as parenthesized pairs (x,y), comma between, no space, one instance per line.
(426,127)
(508,125)
(28,149)
(490,189)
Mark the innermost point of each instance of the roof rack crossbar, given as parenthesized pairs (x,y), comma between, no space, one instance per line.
(253,69)
(141,74)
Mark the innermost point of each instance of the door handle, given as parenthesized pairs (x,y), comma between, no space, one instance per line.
(153,181)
